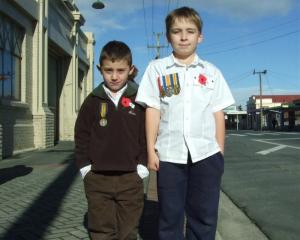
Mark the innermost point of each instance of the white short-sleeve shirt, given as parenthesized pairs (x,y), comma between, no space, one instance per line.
(187,123)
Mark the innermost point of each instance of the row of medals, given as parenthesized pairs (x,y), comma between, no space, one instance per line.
(170,91)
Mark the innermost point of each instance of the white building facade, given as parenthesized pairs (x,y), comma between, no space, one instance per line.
(46,71)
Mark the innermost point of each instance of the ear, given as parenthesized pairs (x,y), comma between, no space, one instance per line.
(167,37)
(131,69)
(200,38)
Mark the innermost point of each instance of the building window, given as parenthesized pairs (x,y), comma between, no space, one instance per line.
(11,38)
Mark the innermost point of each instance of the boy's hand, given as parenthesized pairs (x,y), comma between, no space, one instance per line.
(85,170)
(153,161)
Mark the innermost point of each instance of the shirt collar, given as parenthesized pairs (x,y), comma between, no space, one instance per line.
(173,62)
(118,93)
(129,91)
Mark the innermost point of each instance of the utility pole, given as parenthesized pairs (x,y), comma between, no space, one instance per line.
(260,95)
(157,46)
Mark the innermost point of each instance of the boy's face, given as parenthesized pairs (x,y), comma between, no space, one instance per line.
(115,74)
(184,37)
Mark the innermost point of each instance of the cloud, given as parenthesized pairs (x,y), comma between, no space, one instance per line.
(109,18)
(117,11)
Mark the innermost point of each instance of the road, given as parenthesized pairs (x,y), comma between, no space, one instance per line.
(262,177)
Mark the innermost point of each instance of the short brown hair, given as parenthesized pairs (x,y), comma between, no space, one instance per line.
(183,13)
(115,50)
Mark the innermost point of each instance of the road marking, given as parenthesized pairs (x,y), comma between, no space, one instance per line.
(274,139)
(279,146)
(235,134)
(255,134)
(274,149)
(275,133)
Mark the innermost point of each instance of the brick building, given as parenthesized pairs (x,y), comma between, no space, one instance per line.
(46,70)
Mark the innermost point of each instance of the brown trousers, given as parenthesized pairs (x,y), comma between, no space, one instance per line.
(115,205)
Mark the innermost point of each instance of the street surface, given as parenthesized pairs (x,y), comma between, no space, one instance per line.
(262,177)
(42,197)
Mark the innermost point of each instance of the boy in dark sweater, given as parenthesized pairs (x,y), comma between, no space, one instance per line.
(110,148)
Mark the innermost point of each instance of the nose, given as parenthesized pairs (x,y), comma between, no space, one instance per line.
(183,36)
(114,75)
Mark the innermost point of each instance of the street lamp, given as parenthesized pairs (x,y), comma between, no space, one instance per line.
(98,5)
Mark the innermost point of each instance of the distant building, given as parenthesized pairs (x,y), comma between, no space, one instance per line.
(280,112)
(46,70)
(235,118)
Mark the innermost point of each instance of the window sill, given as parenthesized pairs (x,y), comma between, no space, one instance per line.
(13,103)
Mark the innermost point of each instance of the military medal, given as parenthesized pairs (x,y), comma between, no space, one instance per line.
(169,86)
(175,82)
(103,122)
(103,112)
(161,90)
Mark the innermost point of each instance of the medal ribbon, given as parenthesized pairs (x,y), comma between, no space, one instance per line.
(164,83)
(176,80)
(103,110)
(160,87)
(168,81)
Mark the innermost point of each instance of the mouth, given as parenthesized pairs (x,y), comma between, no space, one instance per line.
(184,45)
(115,83)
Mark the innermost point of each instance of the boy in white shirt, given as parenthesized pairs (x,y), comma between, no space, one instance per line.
(185,130)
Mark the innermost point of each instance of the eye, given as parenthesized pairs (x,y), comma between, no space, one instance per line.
(107,70)
(192,31)
(121,70)
(175,31)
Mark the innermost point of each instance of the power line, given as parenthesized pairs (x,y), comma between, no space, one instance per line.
(145,22)
(253,33)
(283,74)
(251,44)
(152,16)
(269,85)
(239,77)
(157,46)
(283,79)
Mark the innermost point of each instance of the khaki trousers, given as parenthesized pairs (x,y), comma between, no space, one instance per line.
(115,205)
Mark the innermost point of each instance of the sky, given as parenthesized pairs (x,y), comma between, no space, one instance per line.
(240,36)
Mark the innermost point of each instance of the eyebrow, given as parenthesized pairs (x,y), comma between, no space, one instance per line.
(178,28)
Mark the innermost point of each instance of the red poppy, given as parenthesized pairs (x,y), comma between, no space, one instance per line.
(202,79)
(125,102)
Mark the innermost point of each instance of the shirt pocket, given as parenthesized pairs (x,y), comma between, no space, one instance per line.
(203,87)
(164,109)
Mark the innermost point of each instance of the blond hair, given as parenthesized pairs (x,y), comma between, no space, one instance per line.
(183,13)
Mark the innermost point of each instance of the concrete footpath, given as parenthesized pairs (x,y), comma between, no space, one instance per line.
(42,197)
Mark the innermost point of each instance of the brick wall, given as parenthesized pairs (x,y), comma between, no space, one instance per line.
(16,128)
(44,129)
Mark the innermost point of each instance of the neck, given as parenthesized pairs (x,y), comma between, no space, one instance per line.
(185,59)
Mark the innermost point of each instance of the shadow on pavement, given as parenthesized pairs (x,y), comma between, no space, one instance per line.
(149,221)
(33,223)
(7,174)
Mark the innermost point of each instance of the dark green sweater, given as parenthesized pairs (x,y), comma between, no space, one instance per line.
(118,146)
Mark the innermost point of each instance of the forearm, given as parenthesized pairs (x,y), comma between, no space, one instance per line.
(152,126)
(220,129)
